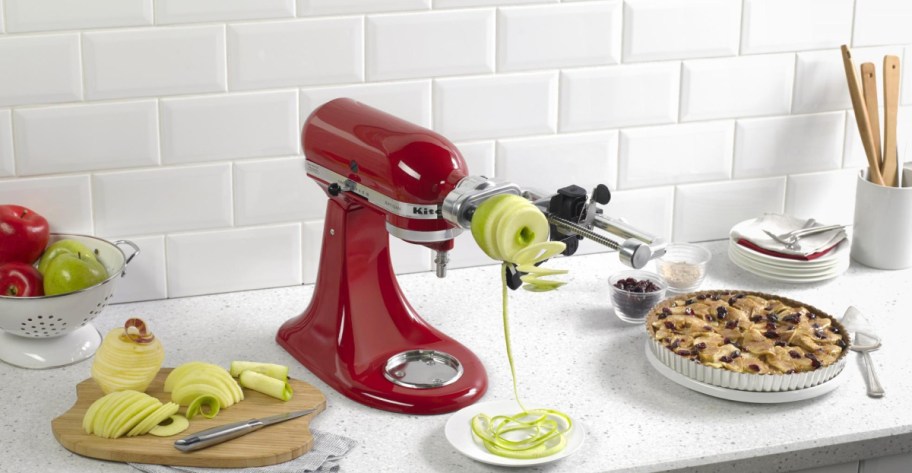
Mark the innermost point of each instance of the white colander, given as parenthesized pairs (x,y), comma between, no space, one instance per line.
(51,331)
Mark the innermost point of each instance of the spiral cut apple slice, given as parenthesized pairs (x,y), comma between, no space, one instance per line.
(511,229)
(527,435)
(206,405)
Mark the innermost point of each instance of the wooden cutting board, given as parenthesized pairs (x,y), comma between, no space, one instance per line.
(270,445)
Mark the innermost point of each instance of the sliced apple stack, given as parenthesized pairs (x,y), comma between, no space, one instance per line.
(194,379)
(126,412)
(128,358)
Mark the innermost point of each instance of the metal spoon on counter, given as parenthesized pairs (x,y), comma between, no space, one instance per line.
(864,342)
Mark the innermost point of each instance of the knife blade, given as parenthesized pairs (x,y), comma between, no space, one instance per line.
(223,433)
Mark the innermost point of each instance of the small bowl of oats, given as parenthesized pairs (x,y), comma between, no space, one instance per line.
(683,266)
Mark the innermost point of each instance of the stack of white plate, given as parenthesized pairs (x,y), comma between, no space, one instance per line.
(828,266)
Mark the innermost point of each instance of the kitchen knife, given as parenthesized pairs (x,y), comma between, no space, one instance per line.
(222,433)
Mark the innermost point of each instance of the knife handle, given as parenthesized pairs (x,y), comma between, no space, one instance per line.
(216,435)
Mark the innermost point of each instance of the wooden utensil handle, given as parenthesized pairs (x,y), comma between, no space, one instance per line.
(861,117)
(869,87)
(891,103)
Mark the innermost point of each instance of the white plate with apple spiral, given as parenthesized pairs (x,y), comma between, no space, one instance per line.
(459,433)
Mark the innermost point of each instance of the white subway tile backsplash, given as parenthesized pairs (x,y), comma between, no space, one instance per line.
(330,7)
(188,11)
(178,121)
(408,100)
(275,190)
(673,154)
(160,61)
(479,157)
(820,81)
(617,96)
(564,35)
(438,4)
(789,25)
(408,45)
(213,128)
(65,201)
(261,257)
(311,244)
(409,257)
(737,87)
(855,157)
(295,53)
(466,253)
(788,145)
(882,22)
(661,29)
(45,15)
(496,106)
(86,137)
(828,197)
(651,210)
(707,211)
(163,200)
(6,144)
(548,163)
(145,277)
(40,69)
(905,95)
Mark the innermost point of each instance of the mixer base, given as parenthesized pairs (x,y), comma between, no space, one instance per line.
(43,353)
(359,324)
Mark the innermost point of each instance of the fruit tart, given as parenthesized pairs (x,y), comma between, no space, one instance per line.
(747,340)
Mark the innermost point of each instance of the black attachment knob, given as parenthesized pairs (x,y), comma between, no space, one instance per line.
(334,189)
(601,194)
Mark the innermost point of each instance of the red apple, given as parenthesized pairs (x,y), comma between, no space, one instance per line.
(23,234)
(20,280)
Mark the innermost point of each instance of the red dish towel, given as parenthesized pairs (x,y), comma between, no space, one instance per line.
(809,257)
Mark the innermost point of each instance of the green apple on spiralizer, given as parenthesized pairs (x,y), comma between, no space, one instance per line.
(68,266)
(511,229)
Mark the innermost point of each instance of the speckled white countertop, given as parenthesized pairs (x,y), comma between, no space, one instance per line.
(593,368)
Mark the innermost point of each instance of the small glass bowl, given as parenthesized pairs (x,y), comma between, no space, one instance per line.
(683,266)
(632,306)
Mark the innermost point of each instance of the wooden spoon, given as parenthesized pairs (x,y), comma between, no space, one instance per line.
(861,117)
(891,100)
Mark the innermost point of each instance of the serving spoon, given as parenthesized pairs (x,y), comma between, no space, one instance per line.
(864,342)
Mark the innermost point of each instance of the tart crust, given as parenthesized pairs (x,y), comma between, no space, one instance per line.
(747,340)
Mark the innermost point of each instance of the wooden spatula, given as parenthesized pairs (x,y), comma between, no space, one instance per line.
(861,117)
(891,100)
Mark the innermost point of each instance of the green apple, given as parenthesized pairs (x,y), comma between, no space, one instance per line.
(64,247)
(70,272)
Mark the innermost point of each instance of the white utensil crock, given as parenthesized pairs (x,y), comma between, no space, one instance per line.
(882,235)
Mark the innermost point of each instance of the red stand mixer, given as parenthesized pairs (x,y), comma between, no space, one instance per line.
(385,176)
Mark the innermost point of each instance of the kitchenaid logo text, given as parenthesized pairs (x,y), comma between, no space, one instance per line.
(425,211)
